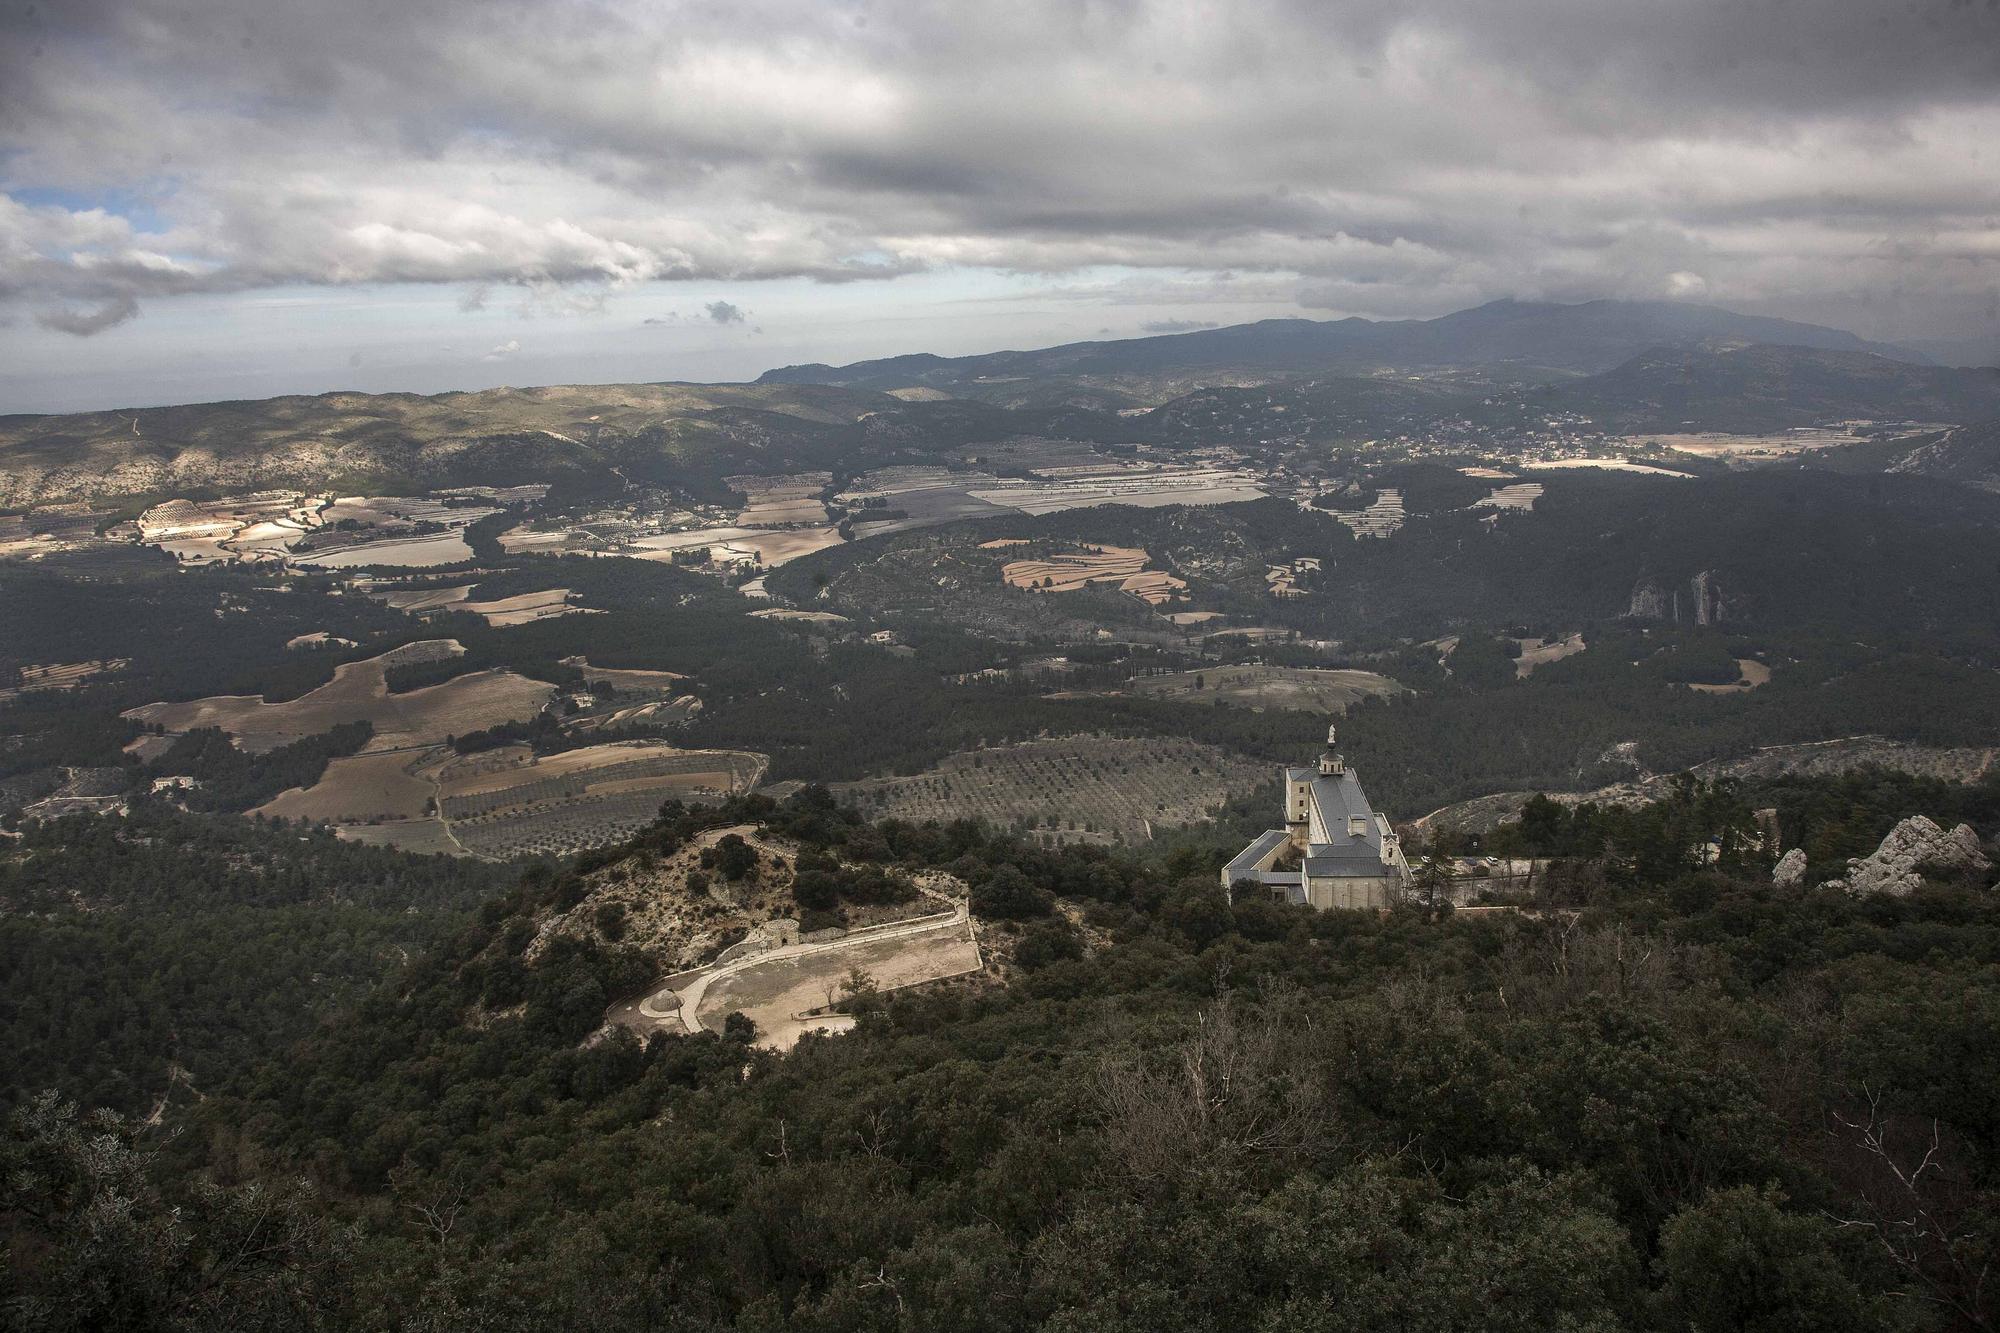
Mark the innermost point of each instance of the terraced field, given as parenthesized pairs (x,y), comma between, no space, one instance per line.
(1071,788)
(1120,566)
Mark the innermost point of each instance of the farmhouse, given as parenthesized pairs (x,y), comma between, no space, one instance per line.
(1334,851)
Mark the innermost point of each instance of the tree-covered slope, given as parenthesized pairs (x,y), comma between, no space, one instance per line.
(1677,1098)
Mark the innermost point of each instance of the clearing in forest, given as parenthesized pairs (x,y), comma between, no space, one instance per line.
(1751,674)
(1541,652)
(1255,685)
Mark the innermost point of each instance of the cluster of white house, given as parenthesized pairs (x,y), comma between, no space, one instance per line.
(1334,851)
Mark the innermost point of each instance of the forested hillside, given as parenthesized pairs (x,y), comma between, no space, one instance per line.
(150,959)
(1670,1097)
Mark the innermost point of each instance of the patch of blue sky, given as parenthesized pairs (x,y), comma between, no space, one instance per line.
(123,203)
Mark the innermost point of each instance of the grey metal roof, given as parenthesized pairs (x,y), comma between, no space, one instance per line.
(1244,864)
(1338,798)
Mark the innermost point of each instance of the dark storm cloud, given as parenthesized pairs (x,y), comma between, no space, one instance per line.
(83,323)
(1386,157)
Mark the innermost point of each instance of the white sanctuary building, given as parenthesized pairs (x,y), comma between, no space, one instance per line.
(1333,850)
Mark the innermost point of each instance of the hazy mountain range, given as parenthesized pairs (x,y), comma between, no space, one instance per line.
(1626,366)
(1525,339)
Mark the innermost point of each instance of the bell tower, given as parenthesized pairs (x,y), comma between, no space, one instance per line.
(1330,762)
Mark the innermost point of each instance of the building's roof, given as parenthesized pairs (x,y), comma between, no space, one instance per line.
(1301,774)
(1244,864)
(1338,797)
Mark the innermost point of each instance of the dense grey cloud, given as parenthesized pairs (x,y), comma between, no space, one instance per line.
(1368,156)
(722,312)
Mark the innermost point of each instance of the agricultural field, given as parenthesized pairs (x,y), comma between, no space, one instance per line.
(360,789)
(800,617)
(1120,566)
(663,683)
(1758,448)
(1259,686)
(359,691)
(263,526)
(1382,518)
(1065,477)
(781,501)
(318,639)
(292,527)
(1103,789)
(425,837)
(416,601)
(1752,674)
(1283,580)
(510,802)
(63,675)
(916,497)
(407,532)
(421,552)
(1607,465)
(735,544)
(1520,495)
(1147,485)
(566,802)
(520,609)
(1541,652)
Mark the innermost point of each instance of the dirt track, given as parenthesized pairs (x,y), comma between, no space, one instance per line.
(776,989)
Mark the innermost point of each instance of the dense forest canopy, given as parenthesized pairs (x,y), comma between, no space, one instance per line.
(1670,1095)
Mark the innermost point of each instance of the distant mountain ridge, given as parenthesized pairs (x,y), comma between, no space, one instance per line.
(1773,387)
(1536,337)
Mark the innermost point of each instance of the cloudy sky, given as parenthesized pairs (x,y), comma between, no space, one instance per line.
(206,198)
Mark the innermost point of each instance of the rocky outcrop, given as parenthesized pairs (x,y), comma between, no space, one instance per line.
(1649,602)
(1813,759)
(1914,848)
(1791,869)
(1707,593)
(1699,599)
